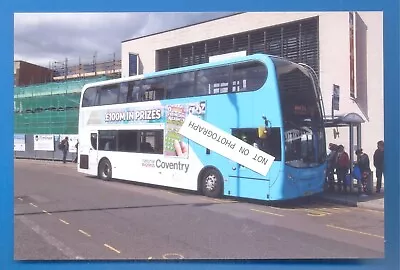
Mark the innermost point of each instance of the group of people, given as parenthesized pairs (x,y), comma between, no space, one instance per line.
(64,147)
(339,162)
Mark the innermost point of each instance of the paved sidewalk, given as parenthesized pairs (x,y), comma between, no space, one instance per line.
(374,201)
(47,162)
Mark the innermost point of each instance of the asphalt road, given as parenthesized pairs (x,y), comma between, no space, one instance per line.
(60,214)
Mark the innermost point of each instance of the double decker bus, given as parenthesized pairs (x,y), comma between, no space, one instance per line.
(129,128)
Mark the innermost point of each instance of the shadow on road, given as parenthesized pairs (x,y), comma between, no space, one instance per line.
(116,208)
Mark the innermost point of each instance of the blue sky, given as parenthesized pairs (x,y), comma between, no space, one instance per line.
(42,38)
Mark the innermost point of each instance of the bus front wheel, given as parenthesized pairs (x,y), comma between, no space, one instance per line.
(212,183)
(105,170)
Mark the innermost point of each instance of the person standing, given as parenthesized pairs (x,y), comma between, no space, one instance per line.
(363,164)
(76,146)
(64,148)
(342,167)
(378,163)
(331,166)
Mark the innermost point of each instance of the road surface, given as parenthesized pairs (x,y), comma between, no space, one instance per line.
(60,214)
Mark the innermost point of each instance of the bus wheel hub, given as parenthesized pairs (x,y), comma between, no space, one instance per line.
(210,182)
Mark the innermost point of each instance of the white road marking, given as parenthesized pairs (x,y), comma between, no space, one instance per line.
(68,252)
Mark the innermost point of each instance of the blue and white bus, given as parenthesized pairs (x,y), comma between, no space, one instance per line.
(129,128)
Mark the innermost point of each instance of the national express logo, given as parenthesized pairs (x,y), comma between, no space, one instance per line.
(134,116)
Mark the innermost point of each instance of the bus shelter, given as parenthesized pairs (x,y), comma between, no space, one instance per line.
(351,121)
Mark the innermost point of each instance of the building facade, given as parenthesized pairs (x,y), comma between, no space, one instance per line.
(26,74)
(344,48)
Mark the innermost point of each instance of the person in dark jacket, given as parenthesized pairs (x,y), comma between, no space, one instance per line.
(378,163)
(65,148)
(77,148)
(363,164)
(342,167)
(331,166)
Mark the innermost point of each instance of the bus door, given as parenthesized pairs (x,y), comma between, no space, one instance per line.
(248,183)
(92,152)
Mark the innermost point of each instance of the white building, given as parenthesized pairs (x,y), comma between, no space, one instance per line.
(345,48)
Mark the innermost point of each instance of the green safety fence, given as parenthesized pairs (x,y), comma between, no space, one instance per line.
(50,108)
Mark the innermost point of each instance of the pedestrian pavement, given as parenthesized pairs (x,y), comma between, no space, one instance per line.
(374,201)
(49,162)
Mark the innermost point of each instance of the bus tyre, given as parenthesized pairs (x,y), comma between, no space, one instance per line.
(105,170)
(211,183)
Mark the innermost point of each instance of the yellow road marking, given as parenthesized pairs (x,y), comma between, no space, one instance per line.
(283,208)
(219,200)
(34,205)
(316,215)
(172,193)
(20,199)
(44,211)
(269,213)
(336,210)
(113,249)
(165,256)
(371,210)
(63,221)
(85,233)
(356,208)
(354,231)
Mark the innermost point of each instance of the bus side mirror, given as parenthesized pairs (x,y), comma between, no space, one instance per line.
(262,132)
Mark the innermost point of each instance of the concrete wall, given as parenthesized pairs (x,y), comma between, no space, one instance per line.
(147,46)
(334,59)
(335,69)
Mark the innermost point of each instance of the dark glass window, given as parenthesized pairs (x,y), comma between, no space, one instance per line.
(134,91)
(107,140)
(248,76)
(181,85)
(153,89)
(270,145)
(302,116)
(93,140)
(108,94)
(89,97)
(212,81)
(123,93)
(151,142)
(128,140)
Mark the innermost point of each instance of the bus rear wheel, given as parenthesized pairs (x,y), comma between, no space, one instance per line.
(105,170)
(211,182)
